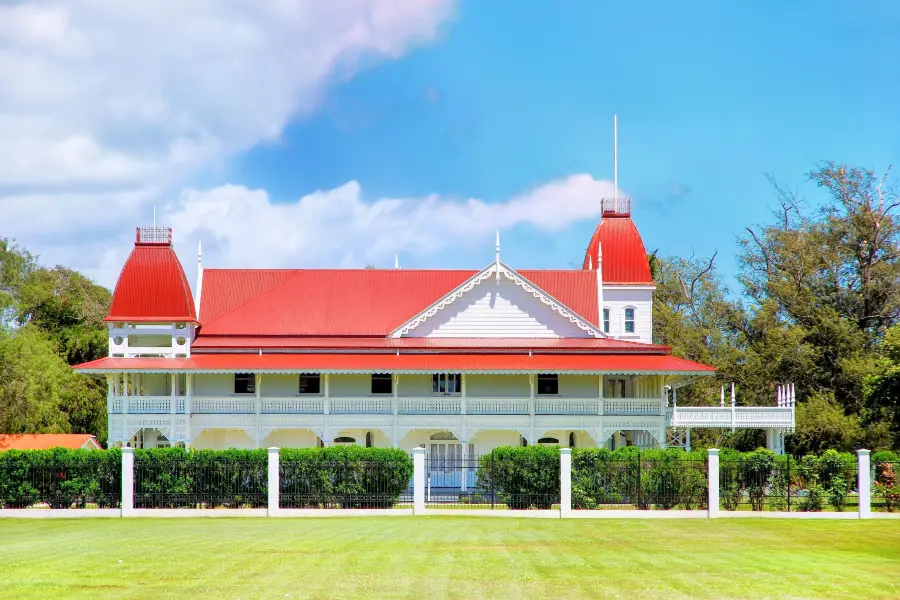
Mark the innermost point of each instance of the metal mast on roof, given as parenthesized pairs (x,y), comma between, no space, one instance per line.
(616,158)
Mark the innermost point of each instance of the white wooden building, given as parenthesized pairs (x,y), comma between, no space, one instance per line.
(458,361)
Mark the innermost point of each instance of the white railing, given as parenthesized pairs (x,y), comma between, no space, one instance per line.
(497,406)
(304,405)
(147,405)
(632,406)
(223,405)
(566,406)
(436,405)
(366,406)
(114,405)
(722,417)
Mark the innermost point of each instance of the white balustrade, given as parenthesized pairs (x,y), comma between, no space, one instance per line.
(223,405)
(566,406)
(179,405)
(149,405)
(497,406)
(743,416)
(436,405)
(631,406)
(115,405)
(303,405)
(366,405)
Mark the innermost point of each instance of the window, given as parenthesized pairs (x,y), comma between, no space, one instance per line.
(548,384)
(368,439)
(605,320)
(629,320)
(572,439)
(309,383)
(446,383)
(244,383)
(162,442)
(382,383)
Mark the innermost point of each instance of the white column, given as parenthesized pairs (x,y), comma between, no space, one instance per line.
(127,482)
(188,393)
(565,482)
(531,384)
(713,468)
(125,395)
(273,504)
(865,485)
(258,388)
(172,398)
(462,395)
(418,481)
(326,401)
(687,439)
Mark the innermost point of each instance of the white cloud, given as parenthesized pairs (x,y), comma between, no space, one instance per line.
(125,93)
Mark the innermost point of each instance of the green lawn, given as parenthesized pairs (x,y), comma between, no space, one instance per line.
(449,557)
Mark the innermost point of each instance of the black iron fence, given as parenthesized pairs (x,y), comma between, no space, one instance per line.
(344,484)
(787,485)
(61,481)
(886,486)
(638,483)
(200,482)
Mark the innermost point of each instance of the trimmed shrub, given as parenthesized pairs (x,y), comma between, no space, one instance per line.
(522,478)
(60,478)
(343,477)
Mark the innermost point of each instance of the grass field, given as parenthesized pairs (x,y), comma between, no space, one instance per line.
(449,557)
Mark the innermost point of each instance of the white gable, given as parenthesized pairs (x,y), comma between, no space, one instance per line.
(498,308)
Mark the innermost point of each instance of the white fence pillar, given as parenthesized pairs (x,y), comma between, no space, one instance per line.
(418,481)
(713,473)
(127,503)
(865,485)
(565,482)
(274,503)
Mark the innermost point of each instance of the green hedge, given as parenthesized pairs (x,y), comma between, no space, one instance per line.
(522,478)
(176,478)
(60,478)
(343,477)
(643,479)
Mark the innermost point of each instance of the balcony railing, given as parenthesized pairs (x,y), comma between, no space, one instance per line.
(427,405)
(722,417)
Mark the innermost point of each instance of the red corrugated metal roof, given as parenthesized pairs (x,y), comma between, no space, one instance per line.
(290,342)
(351,302)
(152,287)
(45,441)
(405,362)
(624,256)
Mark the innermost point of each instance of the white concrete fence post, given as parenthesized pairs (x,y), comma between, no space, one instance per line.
(274,486)
(864,482)
(565,482)
(418,481)
(127,503)
(712,510)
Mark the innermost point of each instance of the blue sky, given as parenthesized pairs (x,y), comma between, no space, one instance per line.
(710,97)
(296,133)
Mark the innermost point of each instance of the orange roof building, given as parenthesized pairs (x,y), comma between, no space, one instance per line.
(457,361)
(46,441)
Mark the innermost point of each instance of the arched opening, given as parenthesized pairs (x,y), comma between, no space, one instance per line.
(368,439)
(344,441)
(523,441)
(571,439)
(548,441)
(443,436)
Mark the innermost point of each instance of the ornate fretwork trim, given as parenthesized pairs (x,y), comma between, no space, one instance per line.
(513,276)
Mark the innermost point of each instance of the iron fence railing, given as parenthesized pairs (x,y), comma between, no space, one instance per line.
(636,483)
(787,486)
(90,482)
(200,482)
(344,484)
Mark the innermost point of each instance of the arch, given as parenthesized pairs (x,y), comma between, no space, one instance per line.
(368,439)
(344,440)
(571,439)
(443,436)
(548,441)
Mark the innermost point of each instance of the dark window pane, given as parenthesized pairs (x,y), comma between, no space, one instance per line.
(382,383)
(244,383)
(548,384)
(310,383)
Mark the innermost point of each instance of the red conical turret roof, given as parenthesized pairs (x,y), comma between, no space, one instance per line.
(624,256)
(152,285)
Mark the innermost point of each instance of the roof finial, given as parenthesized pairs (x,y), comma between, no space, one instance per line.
(590,263)
(154,215)
(199,252)
(616,157)
(396,261)
(497,251)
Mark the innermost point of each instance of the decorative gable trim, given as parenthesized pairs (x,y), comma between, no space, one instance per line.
(498,268)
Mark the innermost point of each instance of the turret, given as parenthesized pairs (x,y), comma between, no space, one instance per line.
(152,311)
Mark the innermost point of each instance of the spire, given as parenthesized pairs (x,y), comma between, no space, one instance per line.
(199,277)
(616,157)
(497,251)
(396,261)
